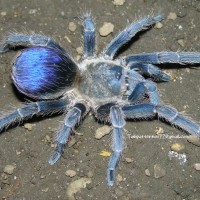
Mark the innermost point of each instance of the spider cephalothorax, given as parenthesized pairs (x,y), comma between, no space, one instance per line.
(113,89)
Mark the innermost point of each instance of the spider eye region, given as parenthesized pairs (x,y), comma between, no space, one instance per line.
(43,73)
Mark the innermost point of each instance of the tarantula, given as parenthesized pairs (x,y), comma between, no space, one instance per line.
(112,89)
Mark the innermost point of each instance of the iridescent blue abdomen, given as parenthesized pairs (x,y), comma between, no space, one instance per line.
(43,73)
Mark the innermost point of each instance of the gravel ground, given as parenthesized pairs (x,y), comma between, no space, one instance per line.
(145,170)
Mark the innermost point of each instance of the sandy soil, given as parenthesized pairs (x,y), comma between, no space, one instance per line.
(29,150)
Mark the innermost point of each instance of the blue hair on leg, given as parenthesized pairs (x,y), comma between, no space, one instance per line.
(151,71)
(42,72)
(71,119)
(89,36)
(163,57)
(118,122)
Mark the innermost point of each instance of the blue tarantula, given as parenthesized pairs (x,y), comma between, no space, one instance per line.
(112,89)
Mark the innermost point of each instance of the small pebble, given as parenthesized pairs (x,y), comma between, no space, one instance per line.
(119,178)
(70,173)
(45,189)
(78,57)
(158,171)
(177,147)
(3,176)
(79,50)
(147,172)
(67,38)
(62,13)
(42,177)
(158,25)
(181,42)
(159,130)
(194,140)
(3,13)
(48,139)
(18,152)
(28,126)
(102,131)
(128,160)
(32,11)
(118,2)
(172,16)
(72,26)
(106,29)
(197,166)
(76,186)
(9,169)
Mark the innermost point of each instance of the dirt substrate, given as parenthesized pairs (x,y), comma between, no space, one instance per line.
(145,171)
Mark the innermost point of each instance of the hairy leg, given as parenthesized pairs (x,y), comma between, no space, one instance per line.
(117,121)
(169,114)
(163,57)
(128,33)
(72,118)
(150,70)
(89,36)
(39,107)
(138,86)
(20,39)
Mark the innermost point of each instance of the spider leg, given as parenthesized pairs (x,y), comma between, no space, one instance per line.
(163,57)
(117,121)
(20,39)
(171,115)
(89,36)
(128,33)
(151,71)
(72,118)
(138,85)
(39,107)
(140,89)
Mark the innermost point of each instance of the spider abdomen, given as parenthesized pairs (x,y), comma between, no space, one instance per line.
(43,73)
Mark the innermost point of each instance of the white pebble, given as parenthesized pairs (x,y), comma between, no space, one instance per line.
(106,29)
(118,2)
(102,131)
(32,11)
(70,173)
(147,172)
(129,160)
(172,16)
(3,13)
(79,50)
(28,126)
(158,25)
(72,26)
(181,42)
(76,186)
(197,166)
(119,178)
(9,169)
(158,171)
